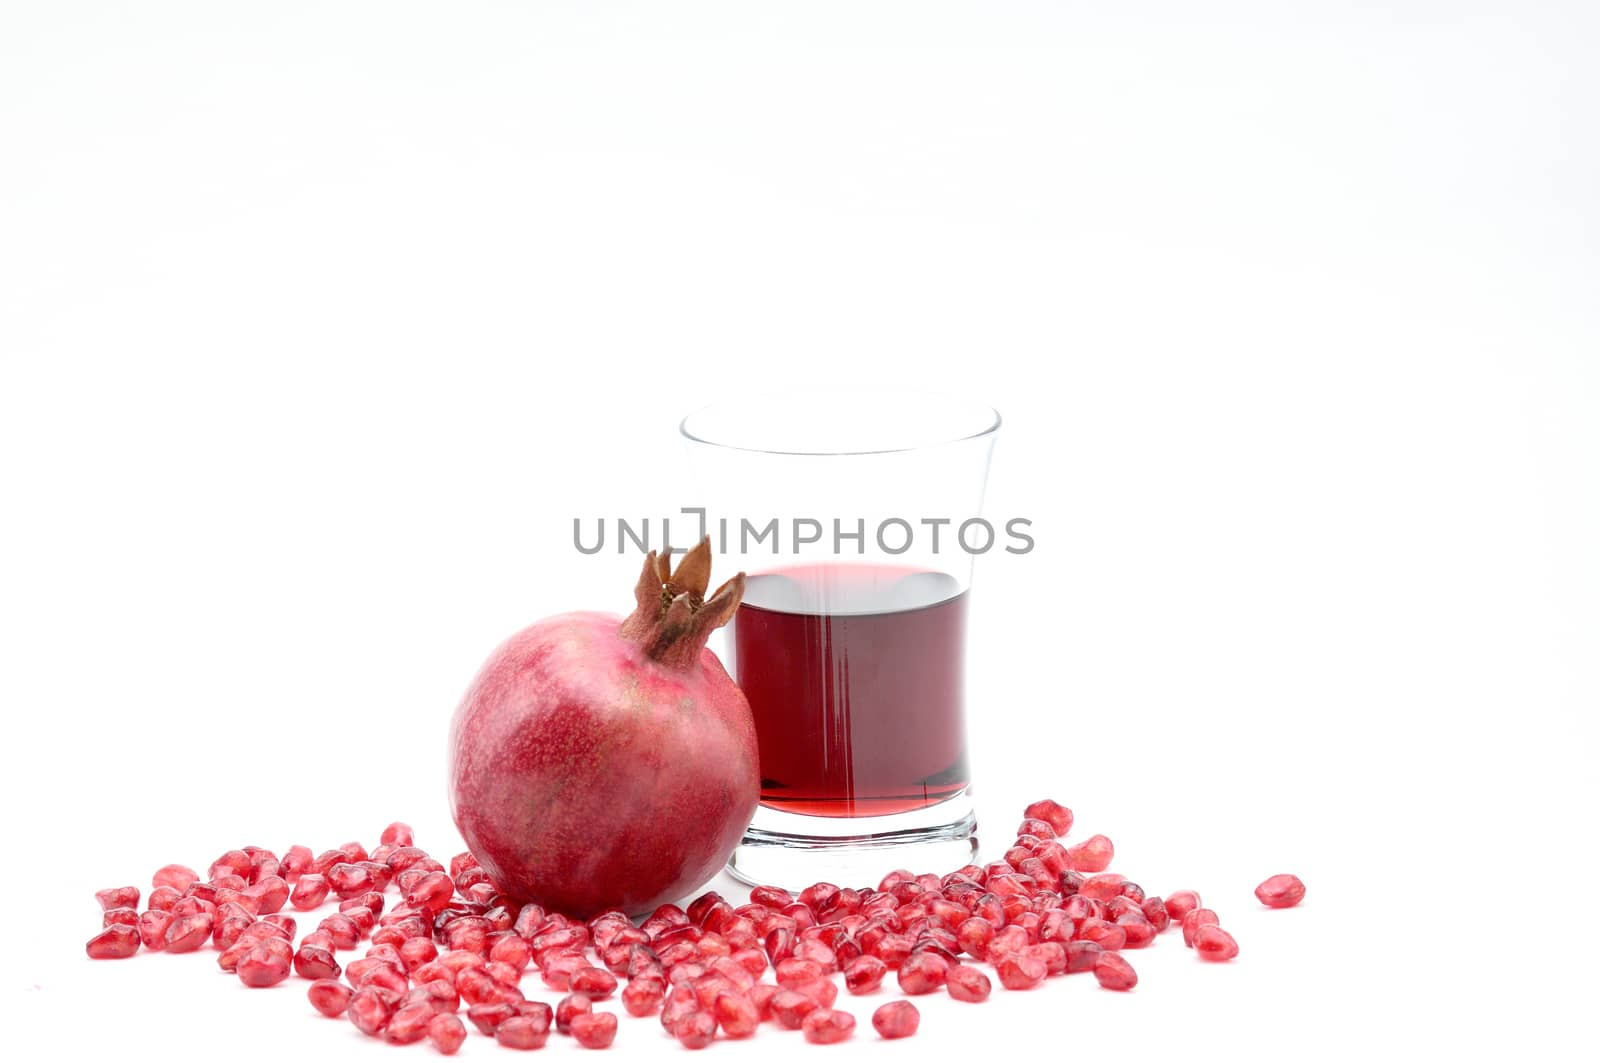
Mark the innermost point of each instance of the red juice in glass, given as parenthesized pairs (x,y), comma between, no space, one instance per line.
(854,676)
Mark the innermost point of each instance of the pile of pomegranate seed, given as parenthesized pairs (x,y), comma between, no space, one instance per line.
(454,945)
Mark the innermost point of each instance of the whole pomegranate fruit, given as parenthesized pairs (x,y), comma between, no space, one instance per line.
(599,764)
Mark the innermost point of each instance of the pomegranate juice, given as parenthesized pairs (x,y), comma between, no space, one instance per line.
(854,674)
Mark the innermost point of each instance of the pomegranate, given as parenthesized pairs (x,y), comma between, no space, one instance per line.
(598,764)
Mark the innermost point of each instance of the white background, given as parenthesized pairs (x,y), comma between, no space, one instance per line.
(320,323)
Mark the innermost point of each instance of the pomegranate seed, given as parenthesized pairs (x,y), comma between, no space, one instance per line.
(967,984)
(1137,930)
(232,862)
(1037,830)
(898,1018)
(795,969)
(923,972)
(329,997)
(790,1008)
(736,1014)
(1195,920)
(1093,855)
(438,995)
(1181,904)
(1020,971)
(1114,972)
(827,1027)
(396,834)
(1108,936)
(521,1032)
(593,983)
(572,1004)
(488,1016)
(503,973)
(296,862)
(414,952)
(1005,942)
(595,1030)
(310,961)
(1155,910)
(115,942)
(368,1012)
(1058,816)
(864,974)
(695,1030)
(445,1032)
(188,932)
(1214,943)
(1281,891)
(119,917)
(342,930)
(174,876)
(772,897)
(974,935)
(643,996)
(513,950)
(408,1024)
(163,899)
(153,929)
(1052,954)
(309,891)
(349,880)
(1102,887)
(263,966)
(119,897)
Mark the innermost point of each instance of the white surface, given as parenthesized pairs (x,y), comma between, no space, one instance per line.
(319,323)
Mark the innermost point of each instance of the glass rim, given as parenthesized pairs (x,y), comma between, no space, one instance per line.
(991,418)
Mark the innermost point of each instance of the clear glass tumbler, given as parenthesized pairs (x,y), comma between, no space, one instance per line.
(856,516)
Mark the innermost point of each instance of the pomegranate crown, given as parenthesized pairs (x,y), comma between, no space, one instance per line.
(673,617)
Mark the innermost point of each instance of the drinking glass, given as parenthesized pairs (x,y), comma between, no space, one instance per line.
(856,516)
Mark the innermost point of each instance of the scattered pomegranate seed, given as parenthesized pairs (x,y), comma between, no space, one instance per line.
(408,1024)
(264,965)
(368,1011)
(119,897)
(522,1033)
(1058,816)
(864,974)
(174,876)
(445,1032)
(1281,891)
(395,834)
(1114,972)
(643,996)
(188,932)
(310,890)
(1181,904)
(826,1026)
(1020,971)
(595,1029)
(593,983)
(571,1005)
(1214,943)
(1046,909)
(923,972)
(117,941)
(1092,856)
(695,1030)
(790,1008)
(1194,921)
(898,1018)
(329,997)
(967,984)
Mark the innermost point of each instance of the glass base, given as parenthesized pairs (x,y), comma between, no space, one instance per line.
(794,851)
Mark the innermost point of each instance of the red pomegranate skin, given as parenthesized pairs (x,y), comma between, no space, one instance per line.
(587,776)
